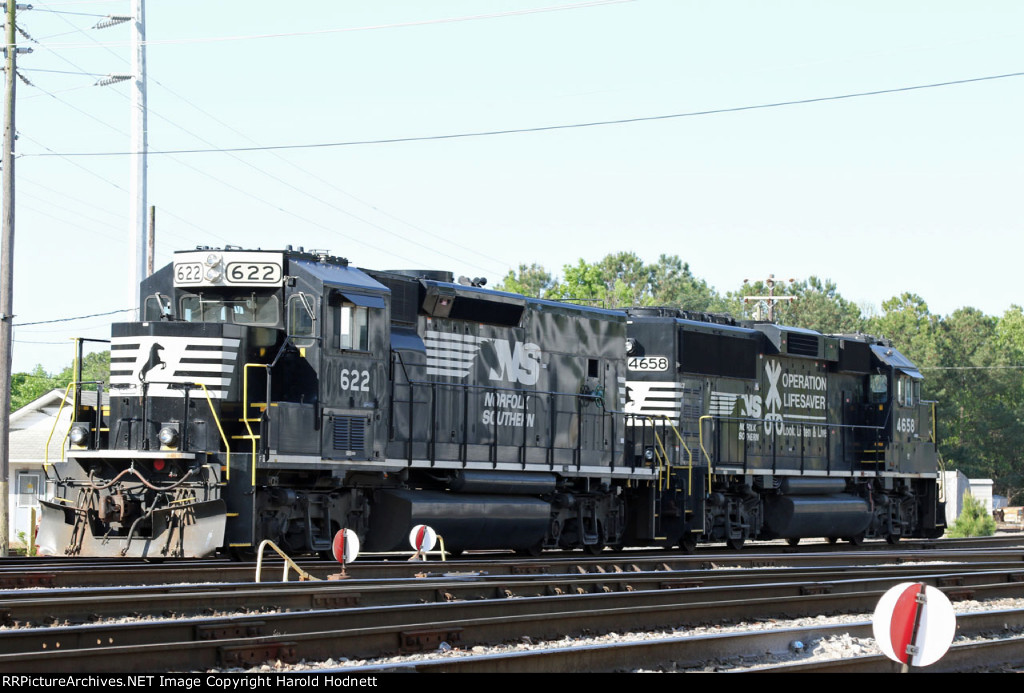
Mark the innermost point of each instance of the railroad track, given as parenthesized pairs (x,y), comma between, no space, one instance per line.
(731,652)
(65,572)
(362,619)
(37,608)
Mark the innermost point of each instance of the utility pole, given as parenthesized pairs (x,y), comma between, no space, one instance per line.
(152,241)
(770,300)
(6,271)
(137,214)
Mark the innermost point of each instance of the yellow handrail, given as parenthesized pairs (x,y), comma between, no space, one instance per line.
(689,457)
(935,438)
(663,464)
(46,450)
(700,424)
(288,563)
(224,438)
(245,412)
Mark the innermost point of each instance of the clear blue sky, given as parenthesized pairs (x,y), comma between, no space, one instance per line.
(909,191)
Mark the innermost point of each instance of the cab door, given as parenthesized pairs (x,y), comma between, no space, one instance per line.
(354,382)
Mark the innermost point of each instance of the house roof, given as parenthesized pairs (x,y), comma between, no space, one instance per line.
(33,425)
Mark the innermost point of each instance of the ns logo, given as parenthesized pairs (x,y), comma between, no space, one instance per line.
(513,362)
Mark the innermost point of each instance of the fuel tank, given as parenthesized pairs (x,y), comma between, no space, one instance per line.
(839,515)
(464,521)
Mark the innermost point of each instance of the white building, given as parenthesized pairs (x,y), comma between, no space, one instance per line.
(956,486)
(38,432)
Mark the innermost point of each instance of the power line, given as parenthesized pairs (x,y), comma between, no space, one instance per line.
(274,177)
(549,128)
(399,25)
(970,368)
(80,14)
(329,184)
(77,317)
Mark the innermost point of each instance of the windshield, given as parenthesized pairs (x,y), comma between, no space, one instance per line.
(248,309)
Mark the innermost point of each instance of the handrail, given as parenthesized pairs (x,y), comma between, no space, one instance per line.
(421,555)
(935,437)
(288,563)
(700,433)
(245,412)
(56,419)
(465,388)
(224,438)
(663,463)
(689,455)
(827,426)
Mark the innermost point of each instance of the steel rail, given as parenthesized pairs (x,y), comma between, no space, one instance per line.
(737,653)
(53,574)
(42,607)
(197,644)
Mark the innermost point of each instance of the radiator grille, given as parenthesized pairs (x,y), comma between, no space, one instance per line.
(804,345)
(350,433)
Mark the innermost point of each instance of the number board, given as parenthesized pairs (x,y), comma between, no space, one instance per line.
(228,268)
(647,363)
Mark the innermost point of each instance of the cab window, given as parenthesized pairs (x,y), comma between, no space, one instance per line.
(878,388)
(156,308)
(353,327)
(301,322)
(906,387)
(247,309)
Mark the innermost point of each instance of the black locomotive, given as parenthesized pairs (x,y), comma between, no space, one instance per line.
(285,395)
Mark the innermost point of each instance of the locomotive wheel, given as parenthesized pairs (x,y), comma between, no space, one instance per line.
(892,539)
(856,540)
(242,554)
(793,541)
(594,549)
(832,540)
(735,544)
(688,543)
(533,552)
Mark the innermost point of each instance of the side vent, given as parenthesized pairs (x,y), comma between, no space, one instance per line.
(802,344)
(350,433)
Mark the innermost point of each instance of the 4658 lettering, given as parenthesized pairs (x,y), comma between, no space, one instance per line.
(648,363)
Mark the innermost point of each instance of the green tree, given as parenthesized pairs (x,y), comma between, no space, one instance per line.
(673,284)
(819,306)
(621,280)
(974,520)
(906,320)
(533,281)
(27,387)
(1008,348)
(95,367)
(617,280)
(816,305)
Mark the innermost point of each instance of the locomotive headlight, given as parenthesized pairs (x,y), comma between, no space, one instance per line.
(649,454)
(168,437)
(79,434)
(214,268)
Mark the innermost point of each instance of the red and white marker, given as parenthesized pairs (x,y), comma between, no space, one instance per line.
(914,624)
(422,538)
(345,546)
